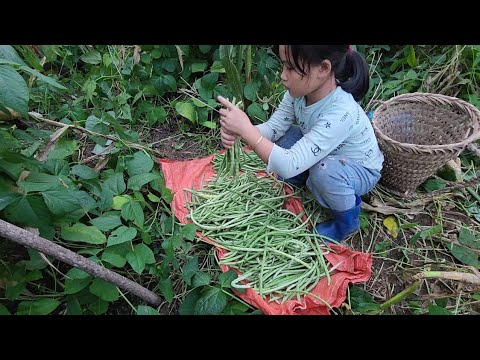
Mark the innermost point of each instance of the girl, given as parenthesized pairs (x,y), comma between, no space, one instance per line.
(319,135)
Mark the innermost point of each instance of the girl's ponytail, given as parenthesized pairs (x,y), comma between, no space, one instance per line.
(354,78)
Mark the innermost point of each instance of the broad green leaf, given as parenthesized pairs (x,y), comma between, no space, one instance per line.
(84,172)
(136,261)
(204,48)
(145,252)
(133,211)
(73,286)
(106,222)
(104,290)
(441,302)
(32,149)
(84,199)
(437,310)
(141,163)
(170,64)
(150,196)
(105,201)
(7,141)
(467,238)
(98,307)
(37,307)
(58,167)
(156,115)
(93,57)
(17,158)
(212,302)
(73,307)
(464,254)
(121,235)
(199,67)
(146,310)
(120,249)
(200,279)
(60,202)
(187,110)
(29,210)
(4,310)
(115,183)
(8,52)
(255,111)
(11,170)
(167,195)
(208,82)
(434,184)
(189,269)
(107,60)
(217,67)
(32,275)
(82,233)
(170,81)
(7,198)
(137,181)
(120,200)
(40,182)
(93,186)
(114,259)
(42,77)
(250,91)
(13,291)
(13,90)
(76,273)
(62,149)
(187,307)
(36,262)
(166,288)
(209,124)
(235,308)
(198,103)
(100,128)
(225,279)
(188,231)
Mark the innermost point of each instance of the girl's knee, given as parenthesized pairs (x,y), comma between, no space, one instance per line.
(324,174)
(290,137)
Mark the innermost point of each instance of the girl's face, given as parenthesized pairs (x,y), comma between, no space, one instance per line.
(297,84)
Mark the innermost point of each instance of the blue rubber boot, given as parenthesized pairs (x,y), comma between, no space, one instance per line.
(343,224)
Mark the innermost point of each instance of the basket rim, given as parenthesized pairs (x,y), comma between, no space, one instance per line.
(430,98)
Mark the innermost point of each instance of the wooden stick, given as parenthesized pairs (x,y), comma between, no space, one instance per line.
(23,237)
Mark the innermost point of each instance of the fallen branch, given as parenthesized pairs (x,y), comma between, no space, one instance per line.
(389,210)
(23,237)
(449,275)
(39,117)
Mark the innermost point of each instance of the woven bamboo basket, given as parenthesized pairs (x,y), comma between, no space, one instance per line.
(420,132)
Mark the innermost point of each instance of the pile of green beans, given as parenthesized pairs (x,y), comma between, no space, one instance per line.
(278,256)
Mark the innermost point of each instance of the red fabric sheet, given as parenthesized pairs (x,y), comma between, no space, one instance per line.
(355,266)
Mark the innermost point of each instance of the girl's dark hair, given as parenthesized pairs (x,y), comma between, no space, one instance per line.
(349,66)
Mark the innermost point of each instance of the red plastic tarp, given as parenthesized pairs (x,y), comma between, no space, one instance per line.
(355,266)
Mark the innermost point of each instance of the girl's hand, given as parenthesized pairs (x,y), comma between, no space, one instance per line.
(233,120)
(227,139)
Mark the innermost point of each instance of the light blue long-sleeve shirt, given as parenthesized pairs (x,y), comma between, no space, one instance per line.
(335,125)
